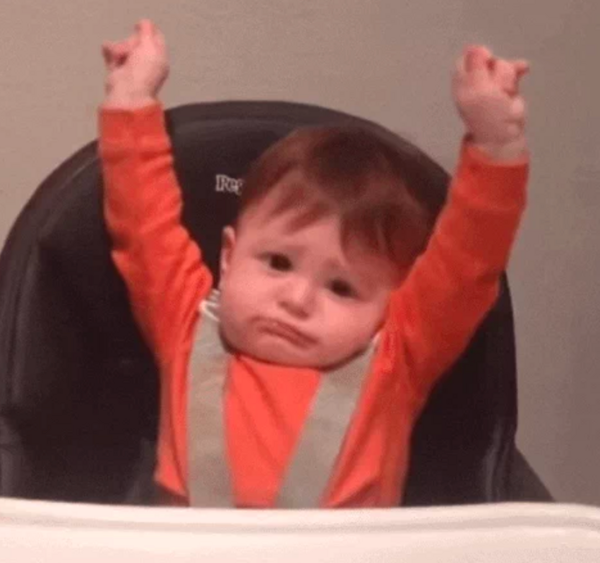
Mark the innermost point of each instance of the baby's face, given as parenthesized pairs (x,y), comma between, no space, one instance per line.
(294,296)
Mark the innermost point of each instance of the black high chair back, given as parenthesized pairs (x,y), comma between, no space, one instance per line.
(78,387)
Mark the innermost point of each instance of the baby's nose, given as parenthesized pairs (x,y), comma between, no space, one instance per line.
(299,298)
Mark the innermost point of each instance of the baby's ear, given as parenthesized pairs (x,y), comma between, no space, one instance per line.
(227,244)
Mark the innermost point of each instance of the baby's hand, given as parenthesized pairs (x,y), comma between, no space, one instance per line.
(136,68)
(486,91)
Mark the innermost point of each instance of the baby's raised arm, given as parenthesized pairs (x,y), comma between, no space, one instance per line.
(455,282)
(159,262)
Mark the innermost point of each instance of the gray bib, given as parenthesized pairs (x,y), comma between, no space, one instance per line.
(307,476)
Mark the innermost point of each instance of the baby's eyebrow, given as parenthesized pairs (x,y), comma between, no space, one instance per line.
(279,245)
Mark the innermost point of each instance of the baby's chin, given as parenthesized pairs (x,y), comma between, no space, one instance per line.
(278,351)
(284,355)
(281,354)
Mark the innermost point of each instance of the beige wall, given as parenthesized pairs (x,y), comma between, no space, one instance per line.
(389,61)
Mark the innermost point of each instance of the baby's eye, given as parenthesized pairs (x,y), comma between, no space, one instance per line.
(279,262)
(341,288)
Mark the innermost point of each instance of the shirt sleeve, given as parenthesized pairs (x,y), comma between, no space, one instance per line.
(455,282)
(160,263)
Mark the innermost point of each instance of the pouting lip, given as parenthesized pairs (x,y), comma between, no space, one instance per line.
(285,331)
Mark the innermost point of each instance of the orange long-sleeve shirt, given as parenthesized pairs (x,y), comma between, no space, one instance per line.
(431,319)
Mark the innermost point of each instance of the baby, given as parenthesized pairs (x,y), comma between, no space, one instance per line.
(341,301)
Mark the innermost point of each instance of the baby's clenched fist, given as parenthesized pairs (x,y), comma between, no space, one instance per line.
(137,67)
(486,92)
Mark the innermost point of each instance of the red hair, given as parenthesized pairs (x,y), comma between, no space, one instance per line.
(353,173)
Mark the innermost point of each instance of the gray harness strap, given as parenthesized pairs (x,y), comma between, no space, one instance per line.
(323,435)
(319,445)
(208,474)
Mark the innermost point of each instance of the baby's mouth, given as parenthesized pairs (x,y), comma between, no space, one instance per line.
(286,332)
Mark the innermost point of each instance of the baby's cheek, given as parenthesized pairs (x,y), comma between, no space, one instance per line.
(365,323)
(344,325)
(235,294)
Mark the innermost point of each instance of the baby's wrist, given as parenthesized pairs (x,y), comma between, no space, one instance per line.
(127,100)
(514,149)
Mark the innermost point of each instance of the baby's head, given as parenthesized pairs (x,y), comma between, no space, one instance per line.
(328,227)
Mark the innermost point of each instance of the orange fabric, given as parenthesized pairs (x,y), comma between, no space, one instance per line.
(430,321)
